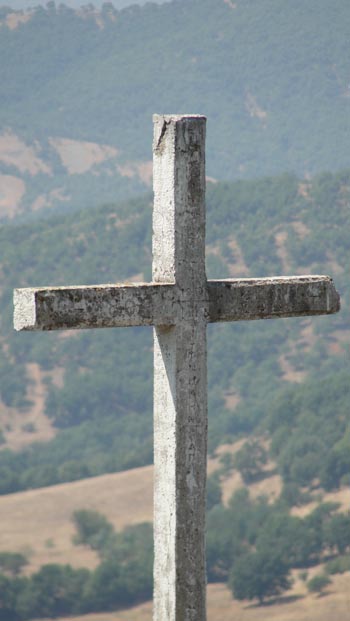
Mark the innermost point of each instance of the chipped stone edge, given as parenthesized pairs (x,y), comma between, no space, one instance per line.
(24,309)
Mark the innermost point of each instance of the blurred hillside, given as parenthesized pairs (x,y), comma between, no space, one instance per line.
(87,396)
(80,87)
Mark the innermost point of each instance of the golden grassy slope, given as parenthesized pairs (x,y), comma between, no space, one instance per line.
(296,606)
(39,521)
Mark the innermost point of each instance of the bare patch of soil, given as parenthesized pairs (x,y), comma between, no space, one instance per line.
(142,170)
(231,4)
(41,520)
(12,190)
(14,152)
(270,485)
(308,337)
(290,374)
(40,202)
(47,200)
(342,496)
(252,105)
(281,251)
(14,20)
(23,428)
(300,228)
(238,268)
(304,189)
(78,157)
(231,400)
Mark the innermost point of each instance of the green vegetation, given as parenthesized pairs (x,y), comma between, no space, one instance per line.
(251,544)
(274,85)
(103,410)
(93,529)
(337,533)
(338,565)
(283,104)
(318,583)
(12,563)
(259,575)
(123,578)
(214,493)
(249,460)
(248,527)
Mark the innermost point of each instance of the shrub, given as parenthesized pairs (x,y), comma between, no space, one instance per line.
(318,583)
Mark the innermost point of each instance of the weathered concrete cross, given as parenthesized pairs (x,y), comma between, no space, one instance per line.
(179,303)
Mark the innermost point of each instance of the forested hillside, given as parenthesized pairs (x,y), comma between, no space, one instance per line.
(80,87)
(75,4)
(90,393)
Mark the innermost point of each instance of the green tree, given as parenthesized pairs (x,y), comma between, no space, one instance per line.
(8,592)
(223,543)
(214,493)
(93,529)
(318,583)
(125,574)
(12,562)
(337,463)
(292,538)
(337,532)
(258,575)
(250,459)
(53,591)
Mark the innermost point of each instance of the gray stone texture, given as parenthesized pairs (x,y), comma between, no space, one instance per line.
(180,376)
(268,298)
(149,304)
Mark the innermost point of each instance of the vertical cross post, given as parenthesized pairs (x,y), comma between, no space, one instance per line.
(180,385)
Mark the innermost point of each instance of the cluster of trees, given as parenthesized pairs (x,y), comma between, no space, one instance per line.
(310,431)
(123,577)
(113,383)
(251,545)
(254,545)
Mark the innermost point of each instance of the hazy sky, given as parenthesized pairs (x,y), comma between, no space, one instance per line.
(26,4)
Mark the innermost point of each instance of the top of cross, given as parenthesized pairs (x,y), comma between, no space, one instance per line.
(178,259)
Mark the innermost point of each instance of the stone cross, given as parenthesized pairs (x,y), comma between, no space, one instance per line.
(179,302)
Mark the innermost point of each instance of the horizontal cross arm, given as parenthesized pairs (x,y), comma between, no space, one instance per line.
(266,298)
(96,306)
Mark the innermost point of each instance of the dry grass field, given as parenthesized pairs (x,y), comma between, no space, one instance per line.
(334,605)
(39,523)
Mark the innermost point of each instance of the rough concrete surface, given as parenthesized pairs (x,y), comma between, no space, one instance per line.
(180,378)
(149,304)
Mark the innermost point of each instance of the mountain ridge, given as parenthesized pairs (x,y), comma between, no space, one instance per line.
(302,229)
(274,85)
